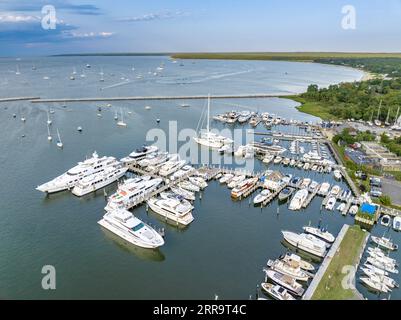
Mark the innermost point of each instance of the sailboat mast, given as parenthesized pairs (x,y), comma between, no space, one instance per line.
(388,115)
(378,111)
(396,116)
(208,112)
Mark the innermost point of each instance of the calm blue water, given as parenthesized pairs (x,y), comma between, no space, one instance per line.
(224,249)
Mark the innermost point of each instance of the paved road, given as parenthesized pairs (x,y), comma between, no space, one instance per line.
(393,189)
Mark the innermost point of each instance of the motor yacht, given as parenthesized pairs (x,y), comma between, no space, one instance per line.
(139,154)
(99,180)
(226,178)
(275,291)
(285,281)
(170,167)
(298,199)
(320,233)
(186,185)
(236,180)
(262,196)
(68,180)
(122,223)
(385,243)
(306,242)
(172,209)
(285,194)
(243,187)
(293,271)
(331,203)
(131,190)
(183,193)
(198,181)
(297,261)
(397,223)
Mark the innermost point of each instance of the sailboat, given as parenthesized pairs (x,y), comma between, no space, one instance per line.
(17,72)
(49,137)
(115,116)
(74,71)
(101,75)
(59,143)
(121,123)
(49,122)
(377,121)
(387,118)
(208,138)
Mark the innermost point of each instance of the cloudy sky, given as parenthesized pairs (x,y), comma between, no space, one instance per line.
(192,25)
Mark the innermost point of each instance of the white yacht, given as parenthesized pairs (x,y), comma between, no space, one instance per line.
(131,190)
(268,158)
(337,174)
(277,292)
(297,261)
(320,233)
(243,187)
(285,281)
(171,195)
(236,180)
(306,242)
(84,169)
(298,199)
(186,185)
(262,196)
(384,243)
(389,267)
(226,178)
(153,159)
(198,181)
(335,191)
(397,223)
(208,138)
(99,180)
(170,167)
(139,154)
(185,170)
(305,183)
(331,203)
(375,285)
(189,195)
(172,209)
(291,270)
(389,282)
(122,223)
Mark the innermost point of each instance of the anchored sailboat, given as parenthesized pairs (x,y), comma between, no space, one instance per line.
(208,138)
(59,142)
(121,123)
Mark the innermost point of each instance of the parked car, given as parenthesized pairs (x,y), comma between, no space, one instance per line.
(376,193)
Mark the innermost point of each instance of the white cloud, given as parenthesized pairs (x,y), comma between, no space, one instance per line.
(83,35)
(155,16)
(17,18)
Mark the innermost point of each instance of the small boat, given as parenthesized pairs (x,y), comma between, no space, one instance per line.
(375,285)
(306,242)
(385,220)
(320,233)
(49,137)
(268,158)
(293,259)
(384,243)
(337,174)
(49,121)
(397,223)
(275,291)
(389,282)
(59,142)
(189,195)
(331,203)
(261,197)
(341,206)
(148,107)
(353,210)
(121,123)
(79,129)
(382,265)
(285,193)
(198,181)
(379,255)
(236,180)
(277,160)
(188,186)
(226,178)
(291,270)
(285,281)
(298,199)
(375,269)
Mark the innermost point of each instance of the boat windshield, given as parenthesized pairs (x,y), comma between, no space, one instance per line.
(138,227)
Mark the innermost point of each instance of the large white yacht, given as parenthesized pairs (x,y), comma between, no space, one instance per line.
(84,169)
(122,223)
(139,154)
(172,209)
(208,138)
(153,159)
(130,190)
(306,242)
(298,199)
(170,167)
(99,180)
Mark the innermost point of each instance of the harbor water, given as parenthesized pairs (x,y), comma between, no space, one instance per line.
(221,253)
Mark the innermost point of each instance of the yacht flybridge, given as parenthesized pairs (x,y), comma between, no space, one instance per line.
(122,223)
(82,170)
(208,138)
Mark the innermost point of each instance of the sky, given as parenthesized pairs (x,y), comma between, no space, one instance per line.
(87,26)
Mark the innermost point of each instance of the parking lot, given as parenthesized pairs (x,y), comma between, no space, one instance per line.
(392,188)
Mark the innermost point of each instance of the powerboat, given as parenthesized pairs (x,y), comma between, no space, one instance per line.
(337,174)
(314,185)
(139,154)
(320,233)
(185,170)
(262,196)
(198,181)
(331,203)
(171,195)
(296,261)
(122,223)
(275,291)
(335,191)
(83,169)
(131,190)
(324,188)
(99,180)
(389,267)
(243,187)
(295,272)
(236,180)
(385,220)
(172,209)
(389,282)
(186,185)
(384,243)
(170,167)
(226,178)
(154,159)
(341,206)
(306,242)
(285,193)
(353,210)
(295,182)
(298,199)
(397,223)
(305,183)
(183,193)
(285,281)
(268,158)
(375,285)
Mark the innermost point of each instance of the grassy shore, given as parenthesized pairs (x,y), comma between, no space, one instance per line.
(330,286)
(312,108)
(284,56)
